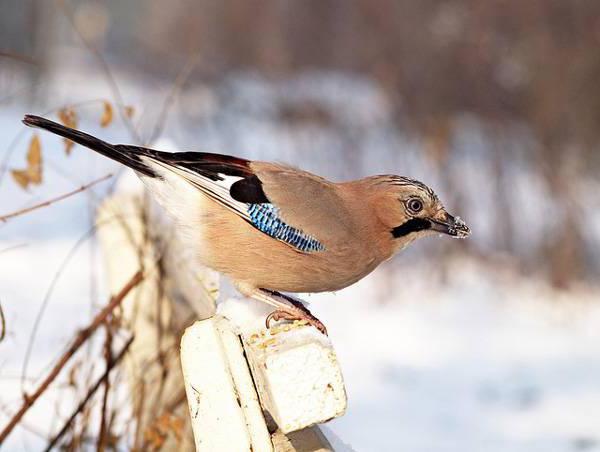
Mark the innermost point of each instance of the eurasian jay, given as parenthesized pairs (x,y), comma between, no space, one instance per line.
(272,228)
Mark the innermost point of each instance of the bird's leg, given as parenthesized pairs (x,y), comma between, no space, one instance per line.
(288,308)
(297,311)
(299,307)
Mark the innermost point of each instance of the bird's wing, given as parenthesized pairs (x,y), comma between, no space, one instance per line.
(239,185)
(289,205)
(212,174)
(307,201)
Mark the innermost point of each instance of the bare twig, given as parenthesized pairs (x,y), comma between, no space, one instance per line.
(2,324)
(80,339)
(9,151)
(103,433)
(46,300)
(53,200)
(89,395)
(169,408)
(182,77)
(18,57)
(106,69)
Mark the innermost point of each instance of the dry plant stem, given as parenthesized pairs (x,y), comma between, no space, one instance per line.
(103,434)
(18,57)
(80,339)
(139,413)
(53,200)
(177,85)
(89,395)
(46,300)
(111,80)
(2,324)
(8,153)
(169,409)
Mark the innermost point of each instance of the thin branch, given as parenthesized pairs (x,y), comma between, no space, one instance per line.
(182,77)
(80,339)
(105,68)
(103,433)
(9,151)
(46,300)
(53,200)
(19,91)
(168,409)
(2,324)
(89,395)
(18,57)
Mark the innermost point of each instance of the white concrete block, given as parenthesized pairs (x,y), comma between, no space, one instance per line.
(223,404)
(297,375)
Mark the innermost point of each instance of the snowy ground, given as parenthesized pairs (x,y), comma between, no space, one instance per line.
(486,360)
(483,363)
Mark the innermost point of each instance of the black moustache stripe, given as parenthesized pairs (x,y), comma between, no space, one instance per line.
(413,225)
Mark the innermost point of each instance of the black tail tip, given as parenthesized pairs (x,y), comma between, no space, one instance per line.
(32,120)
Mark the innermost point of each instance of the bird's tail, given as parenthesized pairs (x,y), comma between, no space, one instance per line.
(126,155)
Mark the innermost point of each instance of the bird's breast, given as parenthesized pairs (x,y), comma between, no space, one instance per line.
(238,249)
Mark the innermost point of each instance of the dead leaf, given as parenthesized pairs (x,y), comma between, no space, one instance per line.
(107,114)
(34,160)
(158,432)
(21,178)
(68,118)
(177,425)
(129,111)
(154,437)
(33,173)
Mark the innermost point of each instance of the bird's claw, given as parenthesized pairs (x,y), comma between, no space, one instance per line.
(291,316)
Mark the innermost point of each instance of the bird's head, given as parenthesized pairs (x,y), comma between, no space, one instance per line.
(410,209)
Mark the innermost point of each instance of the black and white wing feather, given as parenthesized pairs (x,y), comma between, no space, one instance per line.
(225,179)
(231,182)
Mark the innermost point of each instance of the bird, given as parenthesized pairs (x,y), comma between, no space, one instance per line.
(274,229)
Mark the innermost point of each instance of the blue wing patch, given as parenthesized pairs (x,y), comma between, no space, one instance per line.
(265,217)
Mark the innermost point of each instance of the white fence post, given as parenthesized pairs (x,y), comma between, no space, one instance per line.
(295,376)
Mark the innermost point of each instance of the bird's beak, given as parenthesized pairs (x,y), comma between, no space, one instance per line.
(452,226)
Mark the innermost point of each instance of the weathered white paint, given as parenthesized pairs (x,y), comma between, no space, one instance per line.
(222,401)
(297,376)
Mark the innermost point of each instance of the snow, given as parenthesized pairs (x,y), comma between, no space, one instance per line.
(478,364)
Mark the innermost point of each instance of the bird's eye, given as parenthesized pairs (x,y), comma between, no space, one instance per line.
(414,205)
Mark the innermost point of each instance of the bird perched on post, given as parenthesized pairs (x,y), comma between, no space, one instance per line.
(272,228)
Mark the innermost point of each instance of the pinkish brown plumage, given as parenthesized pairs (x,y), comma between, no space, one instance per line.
(272,228)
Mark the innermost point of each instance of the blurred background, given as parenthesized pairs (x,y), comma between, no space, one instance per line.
(486,344)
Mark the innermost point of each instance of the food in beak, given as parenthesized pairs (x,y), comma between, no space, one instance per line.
(453,226)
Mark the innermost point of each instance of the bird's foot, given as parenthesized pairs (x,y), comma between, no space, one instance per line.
(299,314)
